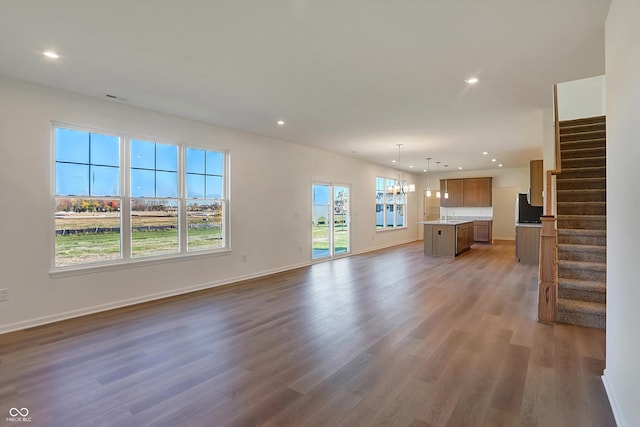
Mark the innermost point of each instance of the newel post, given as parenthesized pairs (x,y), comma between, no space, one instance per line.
(547,287)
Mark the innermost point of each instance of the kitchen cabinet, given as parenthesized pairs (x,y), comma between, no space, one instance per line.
(466,192)
(455,188)
(443,238)
(477,192)
(464,237)
(528,243)
(536,174)
(439,239)
(482,231)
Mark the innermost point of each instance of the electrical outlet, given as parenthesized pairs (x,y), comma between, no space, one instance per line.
(4,294)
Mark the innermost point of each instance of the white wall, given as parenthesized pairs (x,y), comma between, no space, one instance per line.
(270,207)
(622,373)
(507,182)
(582,98)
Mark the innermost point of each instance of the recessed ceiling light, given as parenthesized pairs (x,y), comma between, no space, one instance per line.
(393,161)
(424,170)
(485,153)
(459,168)
(51,54)
(500,165)
(280,122)
(471,80)
(411,166)
(494,160)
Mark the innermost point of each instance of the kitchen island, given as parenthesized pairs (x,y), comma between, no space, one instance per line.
(447,237)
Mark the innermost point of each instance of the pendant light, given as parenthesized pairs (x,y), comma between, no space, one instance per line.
(446,185)
(428,182)
(438,179)
(401,187)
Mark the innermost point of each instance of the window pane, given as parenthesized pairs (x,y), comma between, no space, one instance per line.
(105,181)
(143,154)
(87,231)
(214,187)
(400,216)
(195,186)
(105,150)
(72,179)
(154,227)
(390,215)
(72,146)
(166,184)
(142,183)
(379,185)
(388,199)
(204,229)
(379,216)
(400,198)
(215,163)
(167,157)
(195,161)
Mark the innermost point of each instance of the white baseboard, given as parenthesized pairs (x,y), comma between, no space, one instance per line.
(612,400)
(39,321)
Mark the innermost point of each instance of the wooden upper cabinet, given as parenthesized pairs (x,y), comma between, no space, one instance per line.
(455,188)
(536,173)
(477,192)
(471,192)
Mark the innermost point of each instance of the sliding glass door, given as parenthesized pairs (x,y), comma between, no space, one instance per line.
(331,220)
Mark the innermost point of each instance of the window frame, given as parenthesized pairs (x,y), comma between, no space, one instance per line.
(393,206)
(126,259)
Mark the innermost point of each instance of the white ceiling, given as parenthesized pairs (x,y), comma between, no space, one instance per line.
(352,76)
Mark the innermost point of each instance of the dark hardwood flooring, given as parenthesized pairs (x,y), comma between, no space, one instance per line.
(385,338)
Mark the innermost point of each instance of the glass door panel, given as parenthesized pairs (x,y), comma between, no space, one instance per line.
(321,232)
(340,220)
(331,220)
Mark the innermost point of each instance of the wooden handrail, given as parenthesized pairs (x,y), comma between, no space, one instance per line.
(547,276)
(558,167)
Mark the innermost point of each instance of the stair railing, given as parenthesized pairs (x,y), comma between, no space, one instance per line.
(547,277)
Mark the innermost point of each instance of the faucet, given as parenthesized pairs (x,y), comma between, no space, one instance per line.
(446,214)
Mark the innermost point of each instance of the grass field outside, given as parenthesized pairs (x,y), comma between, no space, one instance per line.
(95,237)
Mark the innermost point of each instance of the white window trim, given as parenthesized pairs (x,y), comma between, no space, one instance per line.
(384,205)
(126,261)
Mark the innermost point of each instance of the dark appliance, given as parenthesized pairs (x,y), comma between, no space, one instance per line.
(525,213)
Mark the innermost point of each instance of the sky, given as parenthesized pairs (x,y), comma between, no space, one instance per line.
(88,164)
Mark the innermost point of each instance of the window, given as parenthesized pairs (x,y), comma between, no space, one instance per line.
(174,201)
(205,205)
(154,202)
(390,204)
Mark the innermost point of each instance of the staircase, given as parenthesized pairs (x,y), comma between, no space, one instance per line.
(582,223)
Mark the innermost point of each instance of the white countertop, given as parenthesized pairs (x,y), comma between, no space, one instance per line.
(528,225)
(455,220)
(448,222)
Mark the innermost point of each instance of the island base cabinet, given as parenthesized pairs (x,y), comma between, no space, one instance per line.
(464,237)
(440,240)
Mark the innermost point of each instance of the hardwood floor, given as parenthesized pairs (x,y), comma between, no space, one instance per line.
(385,338)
